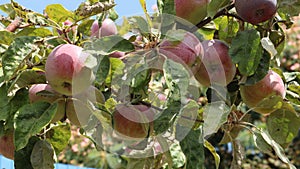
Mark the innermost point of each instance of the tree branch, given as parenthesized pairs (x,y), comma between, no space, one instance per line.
(12,27)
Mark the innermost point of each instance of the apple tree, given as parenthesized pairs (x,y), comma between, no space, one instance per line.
(152,89)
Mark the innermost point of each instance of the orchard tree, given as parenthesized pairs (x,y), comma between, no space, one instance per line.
(152,90)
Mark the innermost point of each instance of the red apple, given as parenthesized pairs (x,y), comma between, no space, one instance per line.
(185,51)
(133,121)
(107,28)
(50,97)
(65,70)
(216,65)
(193,11)
(256,11)
(7,147)
(253,95)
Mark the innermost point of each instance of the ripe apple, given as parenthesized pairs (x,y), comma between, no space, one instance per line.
(253,95)
(7,147)
(50,97)
(133,121)
(193,11)
(65,70)
(79,108)
(256,11)
(187,51)
(107,28)
(216,65)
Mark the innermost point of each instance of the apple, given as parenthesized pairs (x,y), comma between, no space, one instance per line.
(7,147)
(216,65)
(79,108)
(50,97)
(47,97)
(256,11)
(107,28)
(253,95)
(187,51)
(193,11)
(65,70)
(133,122)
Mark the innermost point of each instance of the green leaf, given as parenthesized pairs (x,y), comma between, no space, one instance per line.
(8,9)
(177,78)
(22,157)
(20,99)
(166,119)
(261,143)
(227,28)
(59,137)
(215,5)
(42,155)
(261,70)
(178,157)
(290,7)
(85,27)
(188,115)
(215,115)
(37,19)
(20,49)
(246,51)
(283,126)
(4,103)
(175,36)
(6,37)
(103,69)
(30,120)
(109,44)
(139,23)
(116,69)
(25,78)
(3,95)
(41,32)
(208,33)
(168,15)
(192,147)
(58,13)
(213,151)
(168,7)
(277,148)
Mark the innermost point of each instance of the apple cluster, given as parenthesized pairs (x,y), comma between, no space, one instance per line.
(211,65)
(69,81)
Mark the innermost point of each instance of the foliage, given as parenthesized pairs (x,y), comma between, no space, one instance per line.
(188,115)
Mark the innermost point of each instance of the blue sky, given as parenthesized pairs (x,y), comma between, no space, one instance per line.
(124,7)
